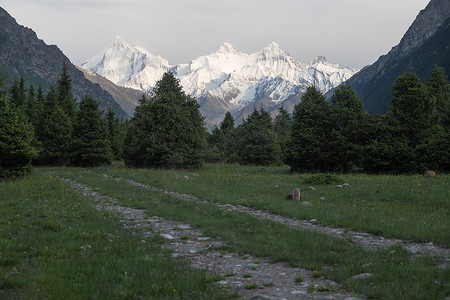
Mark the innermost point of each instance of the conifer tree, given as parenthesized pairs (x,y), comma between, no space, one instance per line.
(18,93)
(30,106)
(346,112)
(65,97)
(139,135)
(282,126)
(90,146)
(215,146)
(16,141)
(227,124)
(309,147)
(434,151)
(438,87)
(114,133)
(166,131)
(259,141)
(54,132)
(412,107)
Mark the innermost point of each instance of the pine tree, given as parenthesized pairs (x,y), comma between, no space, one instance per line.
(282,126)
(384,149)
(139,135)
(90,146)
(434,150)
(166,131)
(438,87)
(259,141)
(227,124)
(309,147)
(16,141)
(17,92)
(346,112)
(215,146)
(65,97)
(412,107)
(54,132)
(30,106)
(114,133)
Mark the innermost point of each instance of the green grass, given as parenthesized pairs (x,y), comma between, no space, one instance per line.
(397,274)
(407,207)
(54,245)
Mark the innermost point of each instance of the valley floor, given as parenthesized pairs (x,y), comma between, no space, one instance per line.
(234,223)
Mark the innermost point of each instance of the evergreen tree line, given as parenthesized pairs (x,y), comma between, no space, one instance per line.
(167,131)
(338,137)
(38,128)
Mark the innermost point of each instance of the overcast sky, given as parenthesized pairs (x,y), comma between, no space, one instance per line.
(352,33)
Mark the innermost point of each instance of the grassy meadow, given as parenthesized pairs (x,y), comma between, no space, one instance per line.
(49,235)
(55,245)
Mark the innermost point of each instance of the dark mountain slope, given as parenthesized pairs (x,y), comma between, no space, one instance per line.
(425,44)
(22,53)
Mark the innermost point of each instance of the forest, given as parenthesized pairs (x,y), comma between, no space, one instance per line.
(167,131)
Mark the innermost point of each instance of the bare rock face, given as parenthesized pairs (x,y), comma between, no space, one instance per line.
(426,24)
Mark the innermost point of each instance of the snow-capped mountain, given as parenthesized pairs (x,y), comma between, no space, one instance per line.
(225,80)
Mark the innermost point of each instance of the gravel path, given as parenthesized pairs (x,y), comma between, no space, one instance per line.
(366,240)
(251,277)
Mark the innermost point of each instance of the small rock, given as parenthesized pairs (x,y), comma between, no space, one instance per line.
(223,282)
(323,198)
(299,292)
(339,186)
(312,221)
(362,276)
(352,298)
(203,238)
(275,187)
(367,265)
(215,245)
(311,188)
(175,255)
(185,178)
(305,203)
(167,236)
(346,185)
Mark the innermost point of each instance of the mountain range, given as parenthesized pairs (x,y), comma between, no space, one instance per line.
(225,80)
(424,45)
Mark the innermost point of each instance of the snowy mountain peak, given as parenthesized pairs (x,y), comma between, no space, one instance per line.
(274,46)
(227,48)
(128,65)
(225,80)
(319,60)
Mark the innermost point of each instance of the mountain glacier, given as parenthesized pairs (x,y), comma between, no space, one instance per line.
(225,80)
